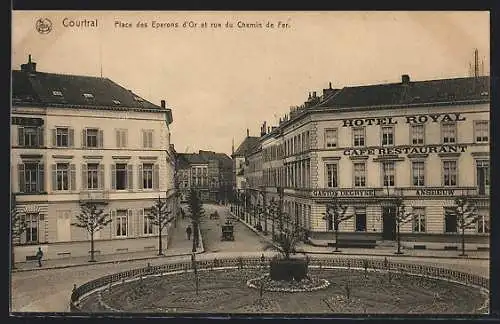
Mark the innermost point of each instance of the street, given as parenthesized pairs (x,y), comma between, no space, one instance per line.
(48,290)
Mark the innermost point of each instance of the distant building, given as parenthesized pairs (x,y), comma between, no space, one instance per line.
(240,162)
(79,138)
(425,141)
(208,172)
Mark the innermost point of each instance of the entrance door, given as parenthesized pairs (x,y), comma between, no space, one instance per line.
(389,223)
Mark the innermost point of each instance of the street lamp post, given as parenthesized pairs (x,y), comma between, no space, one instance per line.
(264,205)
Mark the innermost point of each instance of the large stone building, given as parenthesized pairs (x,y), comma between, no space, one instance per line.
(210,173)
(76,139)
(424,141)
(239,160)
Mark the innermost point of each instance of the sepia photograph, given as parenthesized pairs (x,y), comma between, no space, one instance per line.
(257,163)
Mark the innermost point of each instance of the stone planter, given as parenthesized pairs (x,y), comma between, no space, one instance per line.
(288,269)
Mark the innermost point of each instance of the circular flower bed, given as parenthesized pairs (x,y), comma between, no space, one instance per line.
(307,284)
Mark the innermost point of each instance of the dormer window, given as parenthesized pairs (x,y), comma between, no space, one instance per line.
(88,96)
(138,99)
(57,93)
(117,102)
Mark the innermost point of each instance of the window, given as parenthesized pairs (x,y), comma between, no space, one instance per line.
(388,135)
(92,176)
(62,176)
(32,227)
(483,222)
(358,136)
(92,137)
(360,219)
(450,173)
(57,93)
(33,177)
(116,102)
(30,136)
(482,175)
(331,175)
(121,176)
(450,221)
(148,225)
(448,131)
(330,137)
(121,138)
(147,138)
(359,174)
(418,219)
(62,137)
(417,134)
(121,223)
(147,176)
(88,96)
(138,99)
(481,131)
(418,173)
(389,174)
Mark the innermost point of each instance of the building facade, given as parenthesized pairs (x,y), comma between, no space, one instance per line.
(210,173)
(426,142)
(78,139)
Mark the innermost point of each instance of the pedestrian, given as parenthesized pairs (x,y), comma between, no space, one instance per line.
(39,256)
(188,232)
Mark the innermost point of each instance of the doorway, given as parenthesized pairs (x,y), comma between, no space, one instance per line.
(389,223)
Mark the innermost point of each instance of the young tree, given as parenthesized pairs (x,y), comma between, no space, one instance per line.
(160,215)
(196,212)
(402,217)
(92,218)
(336,214)
(17,228)
(467,216)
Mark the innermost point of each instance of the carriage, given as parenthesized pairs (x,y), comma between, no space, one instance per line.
(227,231)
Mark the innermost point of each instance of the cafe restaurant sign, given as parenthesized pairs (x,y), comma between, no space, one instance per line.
(344,193)
(459,148)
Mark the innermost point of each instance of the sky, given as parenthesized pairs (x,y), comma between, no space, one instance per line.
(221,81)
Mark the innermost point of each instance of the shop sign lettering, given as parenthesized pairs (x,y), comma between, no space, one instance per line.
(414,119)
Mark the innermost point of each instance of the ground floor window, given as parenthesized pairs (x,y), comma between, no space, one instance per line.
(32,227)
(147,224)
(418,219)
(361,219)
(450,221)
(121,223)
(483,223)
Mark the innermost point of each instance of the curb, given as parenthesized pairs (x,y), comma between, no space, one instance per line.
(106,262)
(364,254)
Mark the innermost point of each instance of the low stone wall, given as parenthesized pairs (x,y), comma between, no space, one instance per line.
(244,262)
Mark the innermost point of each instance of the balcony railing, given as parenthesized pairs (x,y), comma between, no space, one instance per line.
(94,195)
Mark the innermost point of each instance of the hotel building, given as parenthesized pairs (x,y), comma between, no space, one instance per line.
(424,141)
(76,139)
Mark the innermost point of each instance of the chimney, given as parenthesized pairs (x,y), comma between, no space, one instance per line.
(163,103)
(330,85)
(248,132)
(30,66)
(314,94)
(405,79)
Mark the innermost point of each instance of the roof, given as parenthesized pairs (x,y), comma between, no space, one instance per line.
(247,145)
(203,157)
(413,92)
(51,89)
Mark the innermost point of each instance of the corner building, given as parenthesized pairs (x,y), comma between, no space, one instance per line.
(427,141)
(76,139)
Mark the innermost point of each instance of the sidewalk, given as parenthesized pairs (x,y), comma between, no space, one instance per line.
(178,245)
(379,250)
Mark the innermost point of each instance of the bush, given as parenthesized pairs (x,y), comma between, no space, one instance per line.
(288,269)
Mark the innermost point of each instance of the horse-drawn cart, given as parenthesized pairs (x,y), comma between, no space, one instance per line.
(227,232)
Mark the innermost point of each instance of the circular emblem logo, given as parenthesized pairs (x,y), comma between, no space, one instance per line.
(43,25)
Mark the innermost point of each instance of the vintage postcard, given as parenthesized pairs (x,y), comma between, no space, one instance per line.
(254,163)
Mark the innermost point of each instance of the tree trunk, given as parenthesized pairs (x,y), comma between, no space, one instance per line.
(92,247)
(463,240)
(195,232)
(337,238)
(160,247)
(398,239)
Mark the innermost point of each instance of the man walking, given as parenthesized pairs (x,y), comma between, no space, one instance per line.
(188,232)
(39,256)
